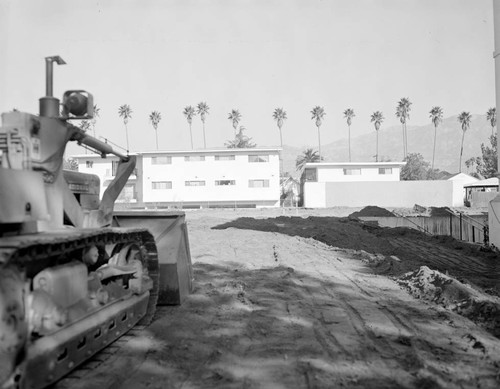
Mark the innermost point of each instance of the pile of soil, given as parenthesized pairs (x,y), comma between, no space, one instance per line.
(440,211)
(372,210)
(434,286)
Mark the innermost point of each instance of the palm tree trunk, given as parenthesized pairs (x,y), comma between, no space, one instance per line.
(281,167)
(376,154)
(191,133)
(204,138)
(126,135)
(404,148)
(156,133)
(461,151)
(349,143)
(434,148)
(319,144)
(406,141)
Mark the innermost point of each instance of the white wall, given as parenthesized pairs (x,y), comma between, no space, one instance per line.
(383,194)
(368,173)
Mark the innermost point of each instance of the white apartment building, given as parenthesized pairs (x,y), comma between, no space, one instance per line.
(195,178)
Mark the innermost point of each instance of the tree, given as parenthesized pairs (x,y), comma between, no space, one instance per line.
(436,115)
(491,116)
(377,119)
(308,155)
(279,115)
(469,164)
(235,117)
(155,118)
(403,113)
(487,165)
(240,141)
(318,113)
(70,164)
(84,125)
(189,113)
(125,112)
(93,121)
(416,168)
(202,110)
(464,118)
(349,114)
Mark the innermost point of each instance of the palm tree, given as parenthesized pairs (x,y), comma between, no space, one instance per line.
(125,112)
(235,117)
(403,113)
(189,113)
(308,155)
(93,121)
(491,116)
(464,119)
(154,118)
(202,110)
(318,113)
(436,115)
(377,119)
(85,125)
(349,114)
(279,115)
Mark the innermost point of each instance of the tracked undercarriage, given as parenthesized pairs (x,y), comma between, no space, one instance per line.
(66,328)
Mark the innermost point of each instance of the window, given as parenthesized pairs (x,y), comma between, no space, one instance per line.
(162,185)
(194,158)
(258,158)
(161,160)
(89,164)
(385,170)
(225,182)
(195,183)
(258,183)
(114,167)
(352,172)
(311,174)
(224,157)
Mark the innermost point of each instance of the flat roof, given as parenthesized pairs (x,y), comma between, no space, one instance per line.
(490,182)
(186,152)
(353,164)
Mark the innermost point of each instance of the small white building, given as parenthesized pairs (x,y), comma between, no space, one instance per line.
(195,178)
(357,184)
(352,171)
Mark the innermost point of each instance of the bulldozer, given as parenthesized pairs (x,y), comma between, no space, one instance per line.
(73,276)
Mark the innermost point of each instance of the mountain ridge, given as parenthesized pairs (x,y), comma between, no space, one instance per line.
(420,140)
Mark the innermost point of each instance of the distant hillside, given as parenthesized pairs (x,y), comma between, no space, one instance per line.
(420,140)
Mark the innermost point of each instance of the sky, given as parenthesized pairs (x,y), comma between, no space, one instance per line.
(253,56)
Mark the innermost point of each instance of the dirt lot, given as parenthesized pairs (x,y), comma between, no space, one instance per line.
(305,299)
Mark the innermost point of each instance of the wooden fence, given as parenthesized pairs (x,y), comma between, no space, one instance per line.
(469,228)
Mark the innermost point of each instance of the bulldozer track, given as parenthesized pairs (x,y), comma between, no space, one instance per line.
(31,253)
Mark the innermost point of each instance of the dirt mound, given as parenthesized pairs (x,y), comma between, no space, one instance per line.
(440,211)
(431,285)
(372,210)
